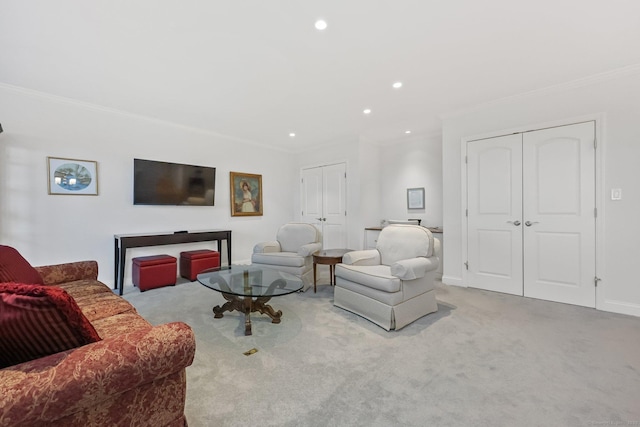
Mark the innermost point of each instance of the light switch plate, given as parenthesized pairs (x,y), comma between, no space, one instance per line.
(616,194)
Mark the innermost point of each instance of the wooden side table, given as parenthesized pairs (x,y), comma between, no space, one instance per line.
(329,257)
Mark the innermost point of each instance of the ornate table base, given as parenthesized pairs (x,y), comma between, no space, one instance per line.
(247,305)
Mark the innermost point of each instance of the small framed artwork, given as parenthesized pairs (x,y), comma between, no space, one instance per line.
(246,194)
(72,176)
(415,198)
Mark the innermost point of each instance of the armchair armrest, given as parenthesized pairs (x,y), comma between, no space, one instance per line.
(413,268)
(68,272)
(309,248)
(264,247)
(46,389)
(362,257)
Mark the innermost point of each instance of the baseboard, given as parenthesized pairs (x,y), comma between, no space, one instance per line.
(454,281)
(619,307)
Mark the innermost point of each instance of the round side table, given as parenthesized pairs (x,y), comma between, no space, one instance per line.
(329,257)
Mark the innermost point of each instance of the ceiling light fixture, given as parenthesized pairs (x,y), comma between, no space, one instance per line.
(292,134)
(321,24)
(367,111)
(407,132)
(397,85)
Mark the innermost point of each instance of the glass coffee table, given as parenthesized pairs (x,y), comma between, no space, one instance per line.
(248,288)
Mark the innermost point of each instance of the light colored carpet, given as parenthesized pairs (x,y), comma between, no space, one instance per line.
(484,359)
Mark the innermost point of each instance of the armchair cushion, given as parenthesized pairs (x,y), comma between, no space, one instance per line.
(400,242)
(288,259)
(362,257)
(309,249)
(373,276)
(14,268)
(413,268)
(264,247)
(37,321)
(293,235)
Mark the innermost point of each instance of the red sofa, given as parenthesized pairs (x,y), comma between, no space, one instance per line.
(134,375)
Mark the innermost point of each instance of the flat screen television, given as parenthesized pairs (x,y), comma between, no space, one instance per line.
(164,183)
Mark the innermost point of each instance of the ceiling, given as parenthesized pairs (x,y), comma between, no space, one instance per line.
(257,70)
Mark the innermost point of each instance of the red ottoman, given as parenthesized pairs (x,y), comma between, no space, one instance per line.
(155,271)
(193,263)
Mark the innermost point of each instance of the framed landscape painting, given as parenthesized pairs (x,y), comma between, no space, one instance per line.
(246,194)
(72,176)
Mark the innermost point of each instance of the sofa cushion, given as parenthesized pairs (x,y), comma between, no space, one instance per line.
(14,268)
(37,321)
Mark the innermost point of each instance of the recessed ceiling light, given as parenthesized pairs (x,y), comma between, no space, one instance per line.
(321,24)
(292,134)
(367,111)
(397,85)
(407,131)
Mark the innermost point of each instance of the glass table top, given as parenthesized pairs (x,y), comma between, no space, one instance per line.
(249,280)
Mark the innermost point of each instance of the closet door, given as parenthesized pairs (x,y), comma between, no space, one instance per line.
(323,198)
(531,214)
(494,217)
(559,214)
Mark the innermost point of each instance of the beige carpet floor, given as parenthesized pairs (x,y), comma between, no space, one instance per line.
(484,359)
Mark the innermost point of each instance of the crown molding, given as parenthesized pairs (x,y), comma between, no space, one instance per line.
(561,87)
(123,113)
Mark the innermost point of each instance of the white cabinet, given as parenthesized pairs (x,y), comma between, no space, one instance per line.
(371,238)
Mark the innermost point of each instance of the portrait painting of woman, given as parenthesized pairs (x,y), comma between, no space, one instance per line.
(246,194)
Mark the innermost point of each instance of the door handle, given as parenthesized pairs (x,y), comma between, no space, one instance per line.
(319,219)
(516,222)
(529,223)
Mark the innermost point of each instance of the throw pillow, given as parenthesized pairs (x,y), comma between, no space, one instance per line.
(14,268)
(37,321)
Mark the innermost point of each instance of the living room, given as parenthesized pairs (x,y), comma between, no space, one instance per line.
(45,112)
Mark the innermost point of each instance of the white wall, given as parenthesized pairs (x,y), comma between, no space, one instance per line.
(50,229)
(616,98)
(339,152)
(378,178)
(414,163)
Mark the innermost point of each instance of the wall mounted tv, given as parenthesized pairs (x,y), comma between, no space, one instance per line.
(164,183)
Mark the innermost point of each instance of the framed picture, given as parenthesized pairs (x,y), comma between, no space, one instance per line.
(415,198)
(72,176)
(246,194)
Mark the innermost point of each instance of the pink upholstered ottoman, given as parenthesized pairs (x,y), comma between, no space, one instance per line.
(155,271)
(193,263)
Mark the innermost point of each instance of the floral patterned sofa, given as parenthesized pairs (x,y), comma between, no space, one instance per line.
(132,374)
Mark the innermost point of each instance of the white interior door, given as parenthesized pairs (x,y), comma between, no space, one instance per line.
(311,196)
(324,203)
(494,175)
(559,214)
(531,214)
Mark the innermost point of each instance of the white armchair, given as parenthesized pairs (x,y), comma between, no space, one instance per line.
(392,285)
(291,251)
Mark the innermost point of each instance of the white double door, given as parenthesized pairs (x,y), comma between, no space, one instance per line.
(323,202)
(531,214)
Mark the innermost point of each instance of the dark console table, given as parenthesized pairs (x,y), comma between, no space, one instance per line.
(122,242)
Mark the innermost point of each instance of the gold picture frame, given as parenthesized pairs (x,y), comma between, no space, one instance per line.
(72,177)
(246,194)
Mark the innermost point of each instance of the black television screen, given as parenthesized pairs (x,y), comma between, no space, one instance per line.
(163,183)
